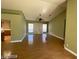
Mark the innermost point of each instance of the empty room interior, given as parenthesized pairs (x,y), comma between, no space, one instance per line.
(38,29)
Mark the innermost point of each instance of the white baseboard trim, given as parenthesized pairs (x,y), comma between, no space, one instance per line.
(16,41)
(23,37)
(19,40)
(56,36)
(69,51)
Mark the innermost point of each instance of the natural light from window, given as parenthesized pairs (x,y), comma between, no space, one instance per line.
(44,29)
(30,28)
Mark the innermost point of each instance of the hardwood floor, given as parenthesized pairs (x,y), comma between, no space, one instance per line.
(37,47)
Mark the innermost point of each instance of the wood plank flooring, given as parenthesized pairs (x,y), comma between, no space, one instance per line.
(37,47)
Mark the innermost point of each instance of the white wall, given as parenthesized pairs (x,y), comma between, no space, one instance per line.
(37,28)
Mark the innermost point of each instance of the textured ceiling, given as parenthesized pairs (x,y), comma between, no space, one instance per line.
(32,9)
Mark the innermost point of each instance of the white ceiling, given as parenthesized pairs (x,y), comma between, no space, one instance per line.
(33,8)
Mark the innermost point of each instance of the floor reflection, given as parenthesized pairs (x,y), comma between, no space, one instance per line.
(7,54)
(44,36)
(30,39)
(21,50)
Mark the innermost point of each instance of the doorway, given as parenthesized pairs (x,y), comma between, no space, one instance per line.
(5,30)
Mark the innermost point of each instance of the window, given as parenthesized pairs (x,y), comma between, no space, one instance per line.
(44,28)
(30,27)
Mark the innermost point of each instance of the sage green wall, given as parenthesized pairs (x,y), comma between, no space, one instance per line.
(56,25)
(71,26)
(18,25)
